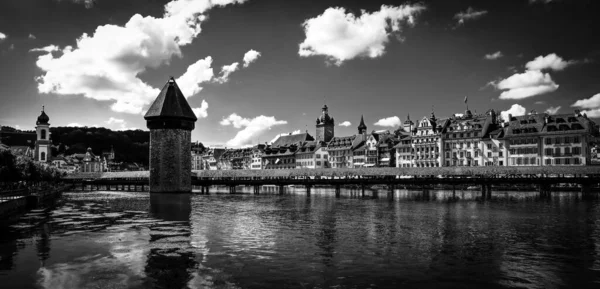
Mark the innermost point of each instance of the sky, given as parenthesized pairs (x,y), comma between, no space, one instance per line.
(254,69)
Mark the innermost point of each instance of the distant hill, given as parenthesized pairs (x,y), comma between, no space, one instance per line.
(129,145)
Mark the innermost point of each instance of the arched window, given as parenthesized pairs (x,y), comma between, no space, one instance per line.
(43,156)
(43,134)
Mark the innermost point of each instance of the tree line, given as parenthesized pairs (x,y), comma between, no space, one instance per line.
(22,171)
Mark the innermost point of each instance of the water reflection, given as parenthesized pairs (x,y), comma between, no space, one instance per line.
(413,240)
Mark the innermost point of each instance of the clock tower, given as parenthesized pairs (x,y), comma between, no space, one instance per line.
(325,126)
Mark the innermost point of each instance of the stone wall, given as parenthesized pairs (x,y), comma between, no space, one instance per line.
(170,161)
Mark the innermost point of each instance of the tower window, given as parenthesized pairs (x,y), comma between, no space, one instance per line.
(43,156)
(43,134)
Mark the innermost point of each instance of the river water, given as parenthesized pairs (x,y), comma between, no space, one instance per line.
(134,240)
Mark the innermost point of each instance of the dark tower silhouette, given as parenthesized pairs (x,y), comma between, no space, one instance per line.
(171,121)
(325,126)
(362,128)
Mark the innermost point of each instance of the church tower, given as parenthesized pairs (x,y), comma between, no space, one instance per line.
(171,121)
(408,125)
(42,144)
(362,128)
(325,126)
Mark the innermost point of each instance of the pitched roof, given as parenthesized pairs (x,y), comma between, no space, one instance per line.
(341,142)
(170,103)
(287,140)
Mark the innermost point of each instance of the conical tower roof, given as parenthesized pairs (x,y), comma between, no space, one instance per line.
(170,104)
(170,110)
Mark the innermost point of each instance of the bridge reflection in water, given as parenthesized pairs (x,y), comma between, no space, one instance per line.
(107,239)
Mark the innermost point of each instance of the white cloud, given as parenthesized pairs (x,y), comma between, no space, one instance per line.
(552,110)
(251,128)
(469,14)
(31,36)
(390,121)
(118,124)
(201,112)
(106,64)
(226,70)
(48,49)
(250,57)
(515,110)
(199,72)
(595,113)
(74,124)
(2,36)
(494,56)
(592,102)
(527,84)
(345,123)
(550,61)
(342,36)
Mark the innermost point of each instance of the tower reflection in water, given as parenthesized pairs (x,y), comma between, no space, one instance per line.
(170,260)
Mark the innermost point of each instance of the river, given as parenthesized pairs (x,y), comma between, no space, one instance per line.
(108,239)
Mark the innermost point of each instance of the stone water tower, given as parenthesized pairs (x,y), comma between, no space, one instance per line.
(171,121)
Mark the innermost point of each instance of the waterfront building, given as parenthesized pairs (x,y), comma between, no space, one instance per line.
(59,162)
(281,153)
(256,161)
(42,144)
(210,159)
(371,150)
(548,140)
(171,121)
(427,142)
(196,160)
(404,151)
(474,140)
(359,152)
(386,153)
(305,155)
(495,150)
(325,126)
(91,162)
(224,162)
(341,150)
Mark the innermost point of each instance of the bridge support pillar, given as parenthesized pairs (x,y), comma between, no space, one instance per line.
(308,187)
(586,190)
(256,190)
(391,192)
(489,192)
(453,191)
(483,193)
(281,189)
(337,191)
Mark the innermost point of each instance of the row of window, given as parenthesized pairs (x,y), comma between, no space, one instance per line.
(567,151)
(462,135)
(563,140)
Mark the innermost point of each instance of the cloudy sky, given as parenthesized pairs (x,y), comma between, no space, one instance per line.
(252,69)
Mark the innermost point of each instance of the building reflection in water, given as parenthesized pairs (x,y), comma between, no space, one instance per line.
(170,260)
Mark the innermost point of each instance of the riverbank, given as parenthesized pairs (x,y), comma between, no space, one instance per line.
(17,202)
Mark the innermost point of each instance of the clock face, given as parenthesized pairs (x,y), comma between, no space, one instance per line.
(329,131)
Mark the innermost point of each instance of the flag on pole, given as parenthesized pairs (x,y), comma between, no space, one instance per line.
(466,98)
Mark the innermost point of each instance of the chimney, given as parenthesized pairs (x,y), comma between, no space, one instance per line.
(509,116)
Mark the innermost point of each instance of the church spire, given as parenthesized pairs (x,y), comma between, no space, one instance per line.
(362,128)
